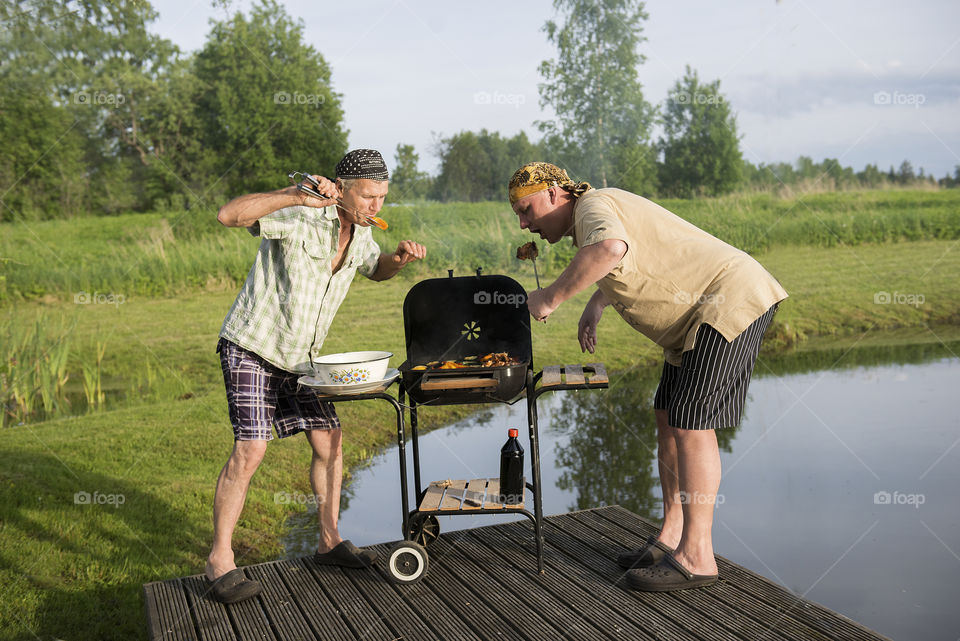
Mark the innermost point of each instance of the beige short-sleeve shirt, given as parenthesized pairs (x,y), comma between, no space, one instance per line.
(674,276)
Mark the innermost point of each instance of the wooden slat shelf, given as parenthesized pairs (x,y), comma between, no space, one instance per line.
(591,374)
(476,494)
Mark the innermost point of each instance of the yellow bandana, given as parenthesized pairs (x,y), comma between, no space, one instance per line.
(538,176)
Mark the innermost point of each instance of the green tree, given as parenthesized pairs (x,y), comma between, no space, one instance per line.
(701,148)
(407,182)
(71,64)
(602,126)
(266,106)
(906,176)
(478,166)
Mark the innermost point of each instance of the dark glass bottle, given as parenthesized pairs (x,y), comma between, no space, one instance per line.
(511,470)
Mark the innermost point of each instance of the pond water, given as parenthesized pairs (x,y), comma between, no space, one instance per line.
(839,484)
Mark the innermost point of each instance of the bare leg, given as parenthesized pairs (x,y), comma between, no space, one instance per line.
(326,474)
(699,475)
(228,502)
(669,482)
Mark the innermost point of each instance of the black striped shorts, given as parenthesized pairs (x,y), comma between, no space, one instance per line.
(709,388)
(261,395)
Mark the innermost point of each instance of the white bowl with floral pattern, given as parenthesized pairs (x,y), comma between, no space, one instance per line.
(351,368)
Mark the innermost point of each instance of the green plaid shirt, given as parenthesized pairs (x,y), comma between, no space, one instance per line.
(284,310)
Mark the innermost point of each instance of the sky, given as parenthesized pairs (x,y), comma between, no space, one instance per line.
(874,82)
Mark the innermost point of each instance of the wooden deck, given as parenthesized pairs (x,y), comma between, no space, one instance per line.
(482,584)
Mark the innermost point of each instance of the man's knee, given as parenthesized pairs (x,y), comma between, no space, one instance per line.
(326,444)
(246,457)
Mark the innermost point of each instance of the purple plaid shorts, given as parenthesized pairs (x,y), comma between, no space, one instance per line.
(260,395)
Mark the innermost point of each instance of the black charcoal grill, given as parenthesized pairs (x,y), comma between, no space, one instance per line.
(462,319)
(454,319)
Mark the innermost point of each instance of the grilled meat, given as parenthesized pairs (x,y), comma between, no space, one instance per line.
(528,251)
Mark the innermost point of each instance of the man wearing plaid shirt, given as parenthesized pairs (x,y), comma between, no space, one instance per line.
(310,249)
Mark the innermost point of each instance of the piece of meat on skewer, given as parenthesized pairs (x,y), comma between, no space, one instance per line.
(528,251)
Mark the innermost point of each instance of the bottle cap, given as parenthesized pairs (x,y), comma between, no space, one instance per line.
(512,432)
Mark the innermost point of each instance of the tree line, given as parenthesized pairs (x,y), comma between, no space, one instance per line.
(99,115)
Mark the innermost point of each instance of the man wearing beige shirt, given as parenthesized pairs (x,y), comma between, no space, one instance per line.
(706,303)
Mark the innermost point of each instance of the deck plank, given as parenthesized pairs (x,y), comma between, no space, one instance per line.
(720,602)
(827,622)
(168,611)
(485,581)
(320,613)
(352,605)
(483,584)
(279,605)
(213,622)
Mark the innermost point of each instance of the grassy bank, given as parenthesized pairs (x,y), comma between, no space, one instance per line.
(163,254)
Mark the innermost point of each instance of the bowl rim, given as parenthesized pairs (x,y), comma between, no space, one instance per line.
(381,355)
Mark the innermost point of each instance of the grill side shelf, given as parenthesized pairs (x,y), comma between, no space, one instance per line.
(591,375)
(459,495)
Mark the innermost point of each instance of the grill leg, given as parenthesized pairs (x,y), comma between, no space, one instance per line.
(415,440)
(535,470)
(401,445)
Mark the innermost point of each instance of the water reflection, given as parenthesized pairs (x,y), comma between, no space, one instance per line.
(608,441)
(610,453)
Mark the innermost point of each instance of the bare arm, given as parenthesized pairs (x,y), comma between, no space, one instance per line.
(591,263)
(587,328)
(390,264)
(244,211)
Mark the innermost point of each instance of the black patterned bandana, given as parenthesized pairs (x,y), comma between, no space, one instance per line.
(363,163)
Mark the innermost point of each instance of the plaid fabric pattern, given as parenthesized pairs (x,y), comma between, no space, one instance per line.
(286,306)
(709,389)
(260,395)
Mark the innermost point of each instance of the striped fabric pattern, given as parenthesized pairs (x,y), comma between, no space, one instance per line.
(709,389)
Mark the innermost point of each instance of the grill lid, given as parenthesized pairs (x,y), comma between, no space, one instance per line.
(451,318)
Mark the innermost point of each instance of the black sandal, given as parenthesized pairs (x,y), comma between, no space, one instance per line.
(667,576)
(649,555)
(347,555)
(233,587)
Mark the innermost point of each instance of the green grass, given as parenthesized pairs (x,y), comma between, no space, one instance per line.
(163,254)
(74,571)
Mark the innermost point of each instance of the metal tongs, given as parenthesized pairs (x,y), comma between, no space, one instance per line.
(312,190)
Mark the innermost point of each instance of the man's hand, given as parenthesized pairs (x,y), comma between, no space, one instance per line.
(407,252)
(540,304)
(325,187)
(587,329)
